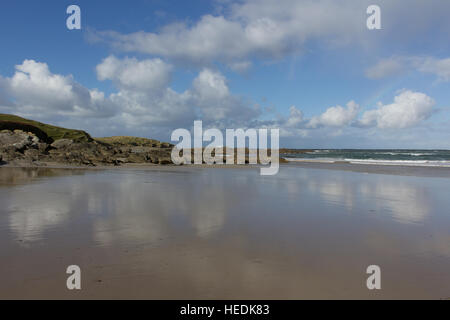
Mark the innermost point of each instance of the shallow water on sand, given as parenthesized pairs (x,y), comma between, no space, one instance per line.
(193,233)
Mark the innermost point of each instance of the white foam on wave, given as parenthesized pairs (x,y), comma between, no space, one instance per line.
(319,160)
(421,163)
(414,154)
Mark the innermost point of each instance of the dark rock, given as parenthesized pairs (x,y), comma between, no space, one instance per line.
(165,161)
(25,147)
(32,154)
(18,139)
(62,143)
(120,160)
(43,147)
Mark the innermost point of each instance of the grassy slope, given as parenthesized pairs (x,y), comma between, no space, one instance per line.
(53,132)
(125,140)
(56,133)
(128,140)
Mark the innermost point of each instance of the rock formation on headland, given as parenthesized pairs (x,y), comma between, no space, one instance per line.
(27,142)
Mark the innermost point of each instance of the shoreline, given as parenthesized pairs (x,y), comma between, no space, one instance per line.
(401,170)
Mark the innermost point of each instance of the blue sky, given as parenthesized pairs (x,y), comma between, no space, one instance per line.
(310,68)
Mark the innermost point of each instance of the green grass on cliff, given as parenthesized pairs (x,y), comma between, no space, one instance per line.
(133,141)
(9,121)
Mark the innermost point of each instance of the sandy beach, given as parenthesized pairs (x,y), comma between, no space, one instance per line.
(207,233)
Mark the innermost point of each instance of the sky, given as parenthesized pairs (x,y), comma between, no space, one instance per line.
(310,68)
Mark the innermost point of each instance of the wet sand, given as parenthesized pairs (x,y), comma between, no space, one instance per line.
(208,233)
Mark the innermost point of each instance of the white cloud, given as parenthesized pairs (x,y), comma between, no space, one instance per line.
(144,96)
(210,38)
(271,29)
(210,84)
(145,108)
(408,109)
(438,67)
(149,74)
(209,99)
(337,116)
(240,66)
(143,100)
(398,64)
(295,118)
(386,67)
(35,90)
(266,29)
(210,93)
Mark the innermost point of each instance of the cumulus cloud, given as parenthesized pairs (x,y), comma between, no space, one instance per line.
(209,97)
(337,116)
(143,98)
(271,29)
(210,93)
(144,102)
(34,89)
(295,118)
(149,74)
(210,84)
(408,109)
(261,28)
(438,67)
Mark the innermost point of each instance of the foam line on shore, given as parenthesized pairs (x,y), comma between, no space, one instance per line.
(421,163)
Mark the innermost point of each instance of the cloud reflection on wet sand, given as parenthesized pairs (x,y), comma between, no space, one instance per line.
(223,233)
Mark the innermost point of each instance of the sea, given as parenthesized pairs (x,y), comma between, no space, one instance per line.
(413,157)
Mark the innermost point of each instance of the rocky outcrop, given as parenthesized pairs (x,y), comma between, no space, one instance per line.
(25,147)
(18,140)
(15,125)
(62,143)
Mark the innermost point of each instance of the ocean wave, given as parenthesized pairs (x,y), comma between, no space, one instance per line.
(436,163)
(428,163)
(318,151)
(414,154)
